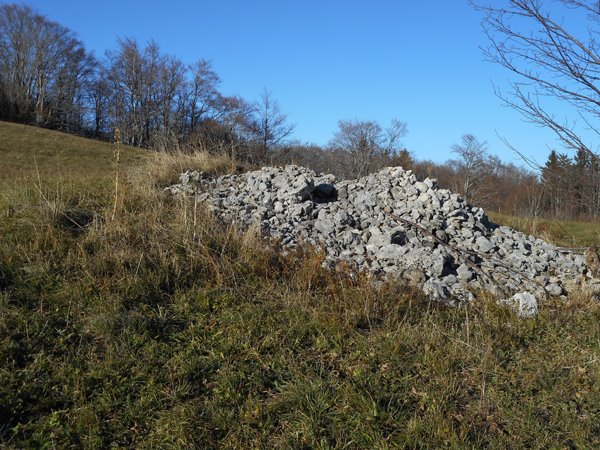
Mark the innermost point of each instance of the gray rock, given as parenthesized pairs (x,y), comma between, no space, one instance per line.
(390,251)
(484,244)
(376,237)
(325,226)
(440,266)
(554,289)
(464,273)
(441,235)
(436,289)
(524,303)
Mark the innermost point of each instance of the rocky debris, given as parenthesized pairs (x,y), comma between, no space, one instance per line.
(392,225)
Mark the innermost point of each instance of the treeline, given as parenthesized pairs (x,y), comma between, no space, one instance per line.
(572,185)
(156,101)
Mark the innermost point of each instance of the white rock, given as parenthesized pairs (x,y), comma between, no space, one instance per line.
(524,303)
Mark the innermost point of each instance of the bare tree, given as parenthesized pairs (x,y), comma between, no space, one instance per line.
(549,61)
(471,167)
(271,124)
(147,93)
(229,129)
(237,120)
(170,89)
(43,69)
(125,71)
(99,98)
(203,97)
(365,142)
(69,96)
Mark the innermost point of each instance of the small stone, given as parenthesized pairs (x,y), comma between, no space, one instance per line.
(554,289)
(436,289)
(390,251)
(525,304)
(484,244)
(441,235)
(324,226)
(464,273)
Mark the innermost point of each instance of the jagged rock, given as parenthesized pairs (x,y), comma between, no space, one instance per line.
(325,226)
(390,251)
(436,289)
(484,244)
(392,224)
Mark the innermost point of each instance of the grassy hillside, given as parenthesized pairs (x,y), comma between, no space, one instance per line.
(165,328)
(27,151)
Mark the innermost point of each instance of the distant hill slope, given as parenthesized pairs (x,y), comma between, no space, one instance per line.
(26,150)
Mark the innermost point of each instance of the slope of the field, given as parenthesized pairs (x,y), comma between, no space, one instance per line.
(28,151)
(131,319)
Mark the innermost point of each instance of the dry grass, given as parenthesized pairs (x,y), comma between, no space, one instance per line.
(28,153)
(165,328)
(165,168)
(562,233)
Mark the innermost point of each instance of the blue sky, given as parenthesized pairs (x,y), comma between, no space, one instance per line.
(324,61)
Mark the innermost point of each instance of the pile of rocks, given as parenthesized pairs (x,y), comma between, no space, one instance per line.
(391,224)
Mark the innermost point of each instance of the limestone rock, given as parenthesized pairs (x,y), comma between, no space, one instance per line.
(524,303)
